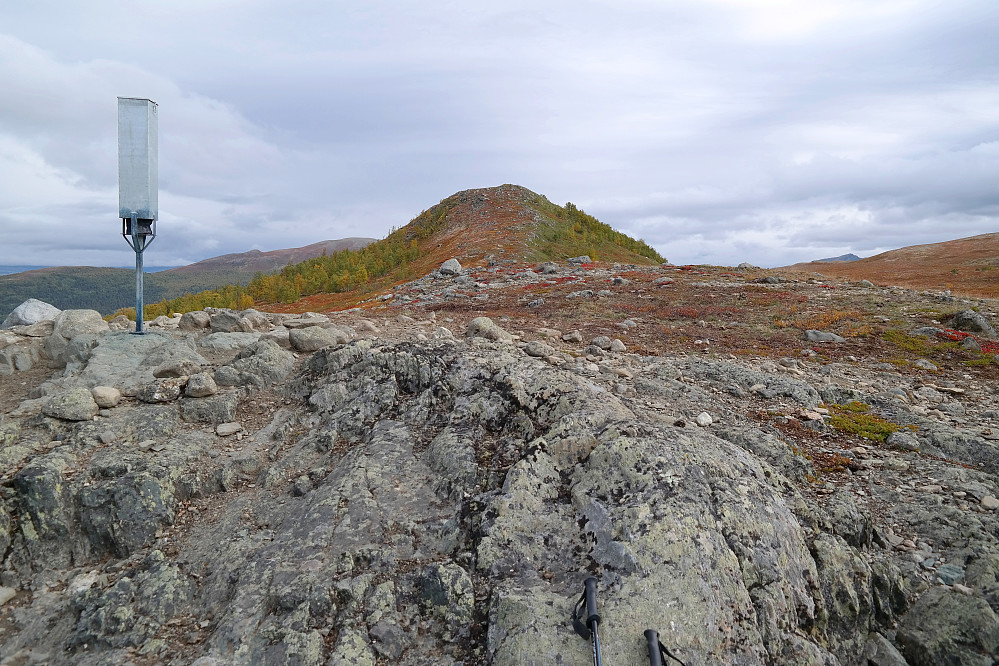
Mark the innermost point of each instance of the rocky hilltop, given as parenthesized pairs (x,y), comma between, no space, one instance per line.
(765,471)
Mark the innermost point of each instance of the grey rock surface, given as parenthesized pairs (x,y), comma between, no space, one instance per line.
(538,349)
(440,501)
(947,627)
(227,341)
(176,368)
(219,408)
(226,321)
(73,405)
(260,364)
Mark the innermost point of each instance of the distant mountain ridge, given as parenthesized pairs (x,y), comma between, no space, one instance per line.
(842,257)
(965,266)
(256,261)
(108,289)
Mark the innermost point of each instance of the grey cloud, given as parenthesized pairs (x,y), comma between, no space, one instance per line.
(710,128)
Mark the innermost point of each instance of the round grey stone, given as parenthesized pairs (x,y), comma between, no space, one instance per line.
(813,335)
(602,341)
(201,385)
(538,349)
(106,396)
(226,429)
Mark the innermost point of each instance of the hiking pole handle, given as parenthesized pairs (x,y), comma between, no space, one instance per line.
(590,595)
(658,654)
(655,656)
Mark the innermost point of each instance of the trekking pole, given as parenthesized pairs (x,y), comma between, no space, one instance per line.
(587,627)
(658,654)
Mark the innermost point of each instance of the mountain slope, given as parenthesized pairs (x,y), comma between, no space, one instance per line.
(966,266)
(508,223)
(254,261)
(108,289)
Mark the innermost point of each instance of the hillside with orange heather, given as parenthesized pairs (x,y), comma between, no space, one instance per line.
(966,267)
(504,224)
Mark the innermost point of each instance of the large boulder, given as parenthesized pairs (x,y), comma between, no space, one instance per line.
(484,327)
(30,312)
(311,338)
(71,323)
(450,267)
(973,322)
(212,409)
(225,321)
(68,325)
(194,321)
(218,342)
(254,320)
(259,365)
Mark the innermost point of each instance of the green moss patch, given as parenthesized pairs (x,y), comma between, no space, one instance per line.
(855,418)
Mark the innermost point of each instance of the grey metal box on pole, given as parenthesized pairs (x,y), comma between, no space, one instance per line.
(138,187)
(138,159)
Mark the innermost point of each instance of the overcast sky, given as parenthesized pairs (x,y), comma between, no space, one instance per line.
(720,131)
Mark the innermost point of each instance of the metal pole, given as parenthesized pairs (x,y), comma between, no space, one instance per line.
(138,245)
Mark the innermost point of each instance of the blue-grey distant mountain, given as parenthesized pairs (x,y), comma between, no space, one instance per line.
(8,270)
(842,257)
(108,289)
